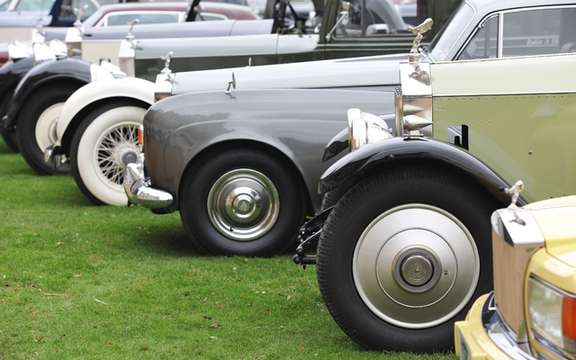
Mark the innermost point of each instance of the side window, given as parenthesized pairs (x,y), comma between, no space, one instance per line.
(539,32)
(484,44)
(370,18)
(144,18)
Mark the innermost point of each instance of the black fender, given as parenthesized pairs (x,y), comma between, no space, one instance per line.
(56,72)
(347,171)
(10,75)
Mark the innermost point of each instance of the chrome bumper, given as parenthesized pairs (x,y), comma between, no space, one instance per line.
(138,190)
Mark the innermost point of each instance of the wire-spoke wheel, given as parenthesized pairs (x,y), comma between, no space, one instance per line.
(103,145)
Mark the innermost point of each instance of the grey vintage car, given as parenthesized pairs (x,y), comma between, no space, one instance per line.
(242,166)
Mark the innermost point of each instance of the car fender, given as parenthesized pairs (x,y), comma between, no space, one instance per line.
(10,75)
(371,158)
(91,95)
(56,72)
(293,123)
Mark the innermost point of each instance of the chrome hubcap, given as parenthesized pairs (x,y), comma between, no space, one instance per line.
(243,204)
(416,266)
(116,148)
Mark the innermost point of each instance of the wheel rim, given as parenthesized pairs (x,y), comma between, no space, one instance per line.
(116,148)
(243,204)
(416,266)
(45,130)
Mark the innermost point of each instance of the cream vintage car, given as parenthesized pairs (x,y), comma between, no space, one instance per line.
(532,311)
(404,243)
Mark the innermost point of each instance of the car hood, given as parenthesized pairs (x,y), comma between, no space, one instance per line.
(182,30)
(371,71)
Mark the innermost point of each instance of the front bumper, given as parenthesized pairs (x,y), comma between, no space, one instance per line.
(483,335)
(139,191)
(54,154)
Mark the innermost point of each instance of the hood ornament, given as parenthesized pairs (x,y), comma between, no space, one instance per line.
(419,31)
(79,13)
(130,35)
(514,193)
(231,85)
(166,70)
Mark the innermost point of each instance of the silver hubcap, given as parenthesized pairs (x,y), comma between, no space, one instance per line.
(416,266)
(116,148)
(243,204)
(45,131)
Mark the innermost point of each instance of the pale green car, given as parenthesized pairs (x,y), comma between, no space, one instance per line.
(404,246)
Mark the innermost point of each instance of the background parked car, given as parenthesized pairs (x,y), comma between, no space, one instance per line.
(59,78)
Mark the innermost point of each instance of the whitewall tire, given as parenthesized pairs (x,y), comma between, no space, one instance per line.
(103,145)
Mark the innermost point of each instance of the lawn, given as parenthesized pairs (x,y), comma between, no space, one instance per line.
(80,281)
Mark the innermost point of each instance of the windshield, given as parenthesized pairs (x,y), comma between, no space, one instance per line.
(34,5)
(446,38)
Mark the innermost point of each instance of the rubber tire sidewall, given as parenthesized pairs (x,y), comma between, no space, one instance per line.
(32,108)
(83,147)
(196,185)
(354,212)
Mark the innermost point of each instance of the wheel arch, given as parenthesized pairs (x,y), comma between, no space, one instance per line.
(258,145)
(395,153)
(76,120)
(15,108)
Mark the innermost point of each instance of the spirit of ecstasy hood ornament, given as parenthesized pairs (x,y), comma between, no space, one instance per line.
(419,31)
(166,70)
(514,193)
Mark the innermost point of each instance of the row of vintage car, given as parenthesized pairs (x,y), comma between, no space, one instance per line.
(404,196)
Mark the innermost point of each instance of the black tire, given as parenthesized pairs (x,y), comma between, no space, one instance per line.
(34,106)
(194,195)
(331,198)
(356,210)
(10,140)
(9,137)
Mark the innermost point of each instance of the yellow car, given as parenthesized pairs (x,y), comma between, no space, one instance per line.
(532,311)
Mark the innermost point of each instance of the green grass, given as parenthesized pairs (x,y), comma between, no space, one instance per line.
(81,281)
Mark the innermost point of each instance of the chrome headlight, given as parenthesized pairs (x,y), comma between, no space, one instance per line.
(365,128)
(552,315)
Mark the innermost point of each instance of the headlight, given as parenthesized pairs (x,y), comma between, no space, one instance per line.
(552,314)
(365,128)
(18,50)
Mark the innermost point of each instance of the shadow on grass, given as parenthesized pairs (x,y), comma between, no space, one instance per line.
(167,240)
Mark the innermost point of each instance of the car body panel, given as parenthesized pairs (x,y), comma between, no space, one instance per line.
(132,88)
(179,128)
(515,126)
